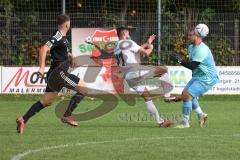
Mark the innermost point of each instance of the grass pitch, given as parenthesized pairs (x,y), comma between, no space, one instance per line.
(126,133)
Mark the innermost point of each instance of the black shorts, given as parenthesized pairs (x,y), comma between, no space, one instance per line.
(58,77)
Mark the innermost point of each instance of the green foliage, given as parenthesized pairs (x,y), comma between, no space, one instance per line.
(176,40)
(110,19)
(206,15)
(19,41)
(28,41)
(152,59)
(222,50)
(6,6)
(5,32)
(19,37)
(173,40)
(236,5)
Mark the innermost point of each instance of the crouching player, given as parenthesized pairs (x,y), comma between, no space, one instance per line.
(204,74)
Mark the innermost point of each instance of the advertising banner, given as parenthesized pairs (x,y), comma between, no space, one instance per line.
(84,52)
(229,80)
(22,80)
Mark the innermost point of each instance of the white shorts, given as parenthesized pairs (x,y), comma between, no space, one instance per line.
(136,76)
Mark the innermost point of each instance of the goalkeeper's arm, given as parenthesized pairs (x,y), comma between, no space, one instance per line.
(188,64)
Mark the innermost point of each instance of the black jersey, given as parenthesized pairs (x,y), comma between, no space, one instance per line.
(58,76)
(58,45)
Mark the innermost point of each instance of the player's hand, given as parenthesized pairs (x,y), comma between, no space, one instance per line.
(151,39)
(40,72)
(71,55)
(174,57)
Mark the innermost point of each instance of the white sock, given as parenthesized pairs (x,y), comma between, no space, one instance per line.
(186,117)
(165,85)
(199,111)
(154,112)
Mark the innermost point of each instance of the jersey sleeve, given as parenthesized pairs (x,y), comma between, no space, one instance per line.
(117,50)
(54,40)
(135,47)
(190,51)
(200,55)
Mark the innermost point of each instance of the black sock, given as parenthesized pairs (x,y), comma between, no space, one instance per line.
(73,104)
(32,111)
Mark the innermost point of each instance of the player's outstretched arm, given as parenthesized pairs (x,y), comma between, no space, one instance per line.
(190,65)
(149,41)
(147,50)
(42,58)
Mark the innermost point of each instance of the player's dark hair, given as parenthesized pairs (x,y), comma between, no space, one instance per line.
(61,19)
(120,30)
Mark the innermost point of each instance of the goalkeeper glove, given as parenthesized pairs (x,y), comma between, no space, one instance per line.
(176,58)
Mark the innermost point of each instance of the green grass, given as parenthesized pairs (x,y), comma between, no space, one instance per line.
(126,133)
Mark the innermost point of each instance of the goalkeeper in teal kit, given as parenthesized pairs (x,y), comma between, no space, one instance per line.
(204,74)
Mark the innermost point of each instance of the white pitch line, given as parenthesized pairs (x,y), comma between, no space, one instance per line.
(26,153)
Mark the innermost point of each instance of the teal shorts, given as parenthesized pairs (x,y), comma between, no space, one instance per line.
(196,88)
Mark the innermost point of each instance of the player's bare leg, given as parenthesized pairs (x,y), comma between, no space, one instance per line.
(153,110)
(46,100)
(75,100)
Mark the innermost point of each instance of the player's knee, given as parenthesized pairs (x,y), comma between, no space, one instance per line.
(82,90)
(185,95)
(162,70)
(146,97)
(46,102)
(165,69)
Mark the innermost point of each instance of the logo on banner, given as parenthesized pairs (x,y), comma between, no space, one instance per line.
(178,77)
(25,82)
(105,39)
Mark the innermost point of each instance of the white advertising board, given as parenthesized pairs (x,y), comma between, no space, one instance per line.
(24,80)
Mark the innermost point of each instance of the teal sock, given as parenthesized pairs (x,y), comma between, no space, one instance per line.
(196,107)
(186,110)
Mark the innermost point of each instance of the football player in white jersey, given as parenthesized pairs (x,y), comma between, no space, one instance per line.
(130,53)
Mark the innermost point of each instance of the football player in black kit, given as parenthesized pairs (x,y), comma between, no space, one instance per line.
(57,76)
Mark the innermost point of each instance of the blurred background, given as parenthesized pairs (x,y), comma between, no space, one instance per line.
(26,24)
